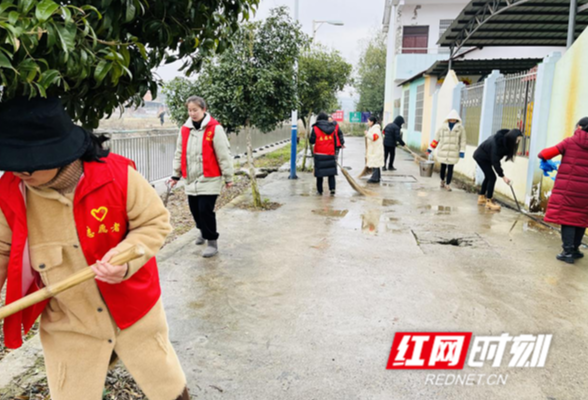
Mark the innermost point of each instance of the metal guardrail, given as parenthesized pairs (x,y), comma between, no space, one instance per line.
(515,95)
(471,111)
(153,154)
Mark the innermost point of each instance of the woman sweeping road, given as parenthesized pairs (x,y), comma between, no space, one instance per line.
(488,155)
(374,150)
(327,140)
(68,204)
(203,159)
(450,146)
(568,204)
(392,138)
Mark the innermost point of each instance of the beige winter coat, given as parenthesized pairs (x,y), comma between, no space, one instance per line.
(78,333)
(375,148)
(196,183)
(450,142)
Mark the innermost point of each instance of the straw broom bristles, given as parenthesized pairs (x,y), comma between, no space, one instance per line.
(359,189)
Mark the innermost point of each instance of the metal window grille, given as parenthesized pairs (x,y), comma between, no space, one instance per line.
(420,102)
(515,95)
(405,106)
(471,111)
(444,24)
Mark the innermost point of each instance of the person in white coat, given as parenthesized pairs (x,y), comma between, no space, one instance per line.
(374,150)
(450,144)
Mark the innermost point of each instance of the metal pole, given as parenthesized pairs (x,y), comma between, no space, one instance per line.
(294,138)
(572,22)
(450,58)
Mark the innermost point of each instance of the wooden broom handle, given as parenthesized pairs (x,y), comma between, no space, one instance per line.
(79,277)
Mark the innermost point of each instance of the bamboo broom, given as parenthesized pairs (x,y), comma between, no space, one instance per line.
(359,189)
(79,277)
(415,155)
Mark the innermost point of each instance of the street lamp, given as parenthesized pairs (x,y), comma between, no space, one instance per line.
(316,25)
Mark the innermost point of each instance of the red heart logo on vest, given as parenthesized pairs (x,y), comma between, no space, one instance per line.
(100,213)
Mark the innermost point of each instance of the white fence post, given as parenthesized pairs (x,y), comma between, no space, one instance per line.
(488,105)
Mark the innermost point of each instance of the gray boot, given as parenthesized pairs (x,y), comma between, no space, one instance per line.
(200,240)
(211,250)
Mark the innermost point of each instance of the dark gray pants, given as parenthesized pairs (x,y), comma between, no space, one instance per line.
(571,237)
(319,183)
(376,175)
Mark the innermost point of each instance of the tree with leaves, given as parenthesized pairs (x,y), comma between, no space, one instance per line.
(252,84)
(322,74)
(176,93)
(99,55)
(371,81)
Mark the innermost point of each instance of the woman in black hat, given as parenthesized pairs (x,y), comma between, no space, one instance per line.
(66,204)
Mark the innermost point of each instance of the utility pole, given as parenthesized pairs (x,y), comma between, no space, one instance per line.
(294,138)
(572,22)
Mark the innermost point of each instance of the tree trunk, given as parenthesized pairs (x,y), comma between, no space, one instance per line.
(307,144)
(254,187)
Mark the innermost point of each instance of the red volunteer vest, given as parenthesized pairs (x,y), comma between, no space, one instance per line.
(326,144)
(210,166)
(100,213)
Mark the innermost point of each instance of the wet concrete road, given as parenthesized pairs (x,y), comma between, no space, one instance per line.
(303,302)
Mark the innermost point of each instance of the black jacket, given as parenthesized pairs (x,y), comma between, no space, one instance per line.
(392,134)
(325,165)
(493,150)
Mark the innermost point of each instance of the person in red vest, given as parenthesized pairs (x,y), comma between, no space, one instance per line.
(327,139)
(203,159)
(568,204)
(66,204)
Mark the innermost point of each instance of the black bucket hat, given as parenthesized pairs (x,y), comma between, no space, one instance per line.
(38,134)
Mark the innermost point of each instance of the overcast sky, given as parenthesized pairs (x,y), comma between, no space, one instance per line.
(361,19)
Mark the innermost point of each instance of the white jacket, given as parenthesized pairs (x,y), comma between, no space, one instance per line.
(196,183)
(449,143)
(375,148)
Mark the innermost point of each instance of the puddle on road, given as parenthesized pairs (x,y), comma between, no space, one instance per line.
(535,226)
(439,210)
(551,280)
(529,225)
(196,305)
(394,228)
(322,245)
(370,222)
(329,212)
(389,202)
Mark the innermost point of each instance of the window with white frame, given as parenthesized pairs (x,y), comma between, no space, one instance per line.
(420,103)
